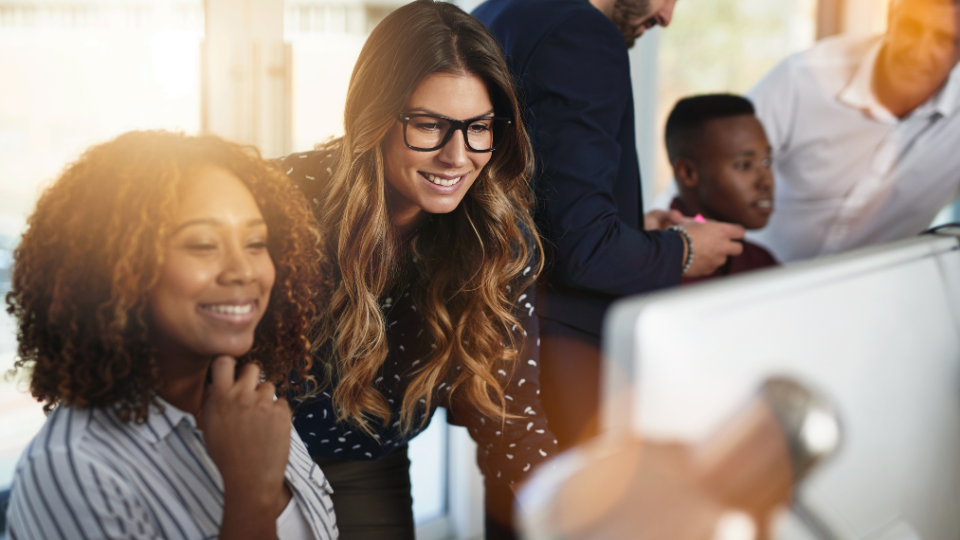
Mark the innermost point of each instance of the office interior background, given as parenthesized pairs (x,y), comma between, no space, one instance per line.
(274,73)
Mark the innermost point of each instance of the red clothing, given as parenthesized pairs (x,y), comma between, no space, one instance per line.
(753,257)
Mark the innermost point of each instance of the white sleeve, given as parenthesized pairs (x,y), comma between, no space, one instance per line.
(776,99)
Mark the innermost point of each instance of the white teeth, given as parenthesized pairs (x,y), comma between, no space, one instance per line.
(440,181)
(229,309)
(766,203)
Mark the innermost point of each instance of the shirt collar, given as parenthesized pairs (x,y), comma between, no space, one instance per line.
(948,98)
(160,424)
(859,91)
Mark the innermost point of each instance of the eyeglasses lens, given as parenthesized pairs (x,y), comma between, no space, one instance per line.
(426,132)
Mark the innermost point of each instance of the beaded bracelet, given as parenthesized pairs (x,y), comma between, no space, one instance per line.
(689,241)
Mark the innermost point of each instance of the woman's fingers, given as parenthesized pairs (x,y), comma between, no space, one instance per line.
(221,374)
(284,408)
(249,377)
(267,390)
(243,424)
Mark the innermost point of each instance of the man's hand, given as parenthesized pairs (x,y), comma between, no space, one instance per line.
(712,242)
(658,220)
(247,433)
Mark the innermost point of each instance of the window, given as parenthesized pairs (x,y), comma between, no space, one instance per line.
(76,73)
(326,38)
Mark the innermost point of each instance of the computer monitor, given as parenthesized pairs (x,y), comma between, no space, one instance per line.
(876,331)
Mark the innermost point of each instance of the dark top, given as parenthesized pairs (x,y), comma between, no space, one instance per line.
(506,451)
(753,257)
(572,66)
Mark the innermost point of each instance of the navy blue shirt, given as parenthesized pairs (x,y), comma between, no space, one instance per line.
(506,450)
(572,65)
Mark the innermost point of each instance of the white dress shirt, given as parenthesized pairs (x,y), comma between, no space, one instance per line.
(87,475)
(848,172)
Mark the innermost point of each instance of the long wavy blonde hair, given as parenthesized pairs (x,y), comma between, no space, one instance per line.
(475,256)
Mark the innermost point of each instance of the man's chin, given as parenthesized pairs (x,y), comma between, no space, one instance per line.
(917,88)
(632,34)
(625,11)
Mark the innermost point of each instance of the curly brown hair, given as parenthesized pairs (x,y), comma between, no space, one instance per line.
(91,255)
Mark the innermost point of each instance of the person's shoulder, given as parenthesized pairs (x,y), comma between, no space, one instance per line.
(563,10)
(824,69)
(67,428)
(843,51)
(581,49)
(68,437)
(310,170)
(526,23)
(545,13)
(311,164)
(571,16)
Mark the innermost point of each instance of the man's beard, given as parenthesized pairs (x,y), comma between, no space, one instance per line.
(626,11)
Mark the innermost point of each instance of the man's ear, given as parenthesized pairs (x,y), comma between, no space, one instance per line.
(685,172)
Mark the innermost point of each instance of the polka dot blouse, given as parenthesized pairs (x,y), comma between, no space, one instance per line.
(506,450)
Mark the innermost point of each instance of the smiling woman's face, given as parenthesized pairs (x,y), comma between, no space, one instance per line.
(415,180)
(216,277)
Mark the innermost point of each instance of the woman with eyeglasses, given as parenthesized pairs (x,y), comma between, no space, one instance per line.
(424,210)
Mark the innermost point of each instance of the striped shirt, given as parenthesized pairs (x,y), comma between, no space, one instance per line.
(87,475)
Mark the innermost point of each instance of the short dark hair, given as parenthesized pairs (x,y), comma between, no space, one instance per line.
(691,113)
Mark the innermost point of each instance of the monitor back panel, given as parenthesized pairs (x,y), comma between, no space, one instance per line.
(877,332)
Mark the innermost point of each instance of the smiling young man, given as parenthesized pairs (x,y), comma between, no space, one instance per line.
(721,162)
(866,132)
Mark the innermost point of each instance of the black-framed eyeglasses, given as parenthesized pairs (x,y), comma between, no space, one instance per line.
(429,132)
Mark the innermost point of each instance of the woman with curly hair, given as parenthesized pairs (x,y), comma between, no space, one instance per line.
(151,264)
(424,210)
